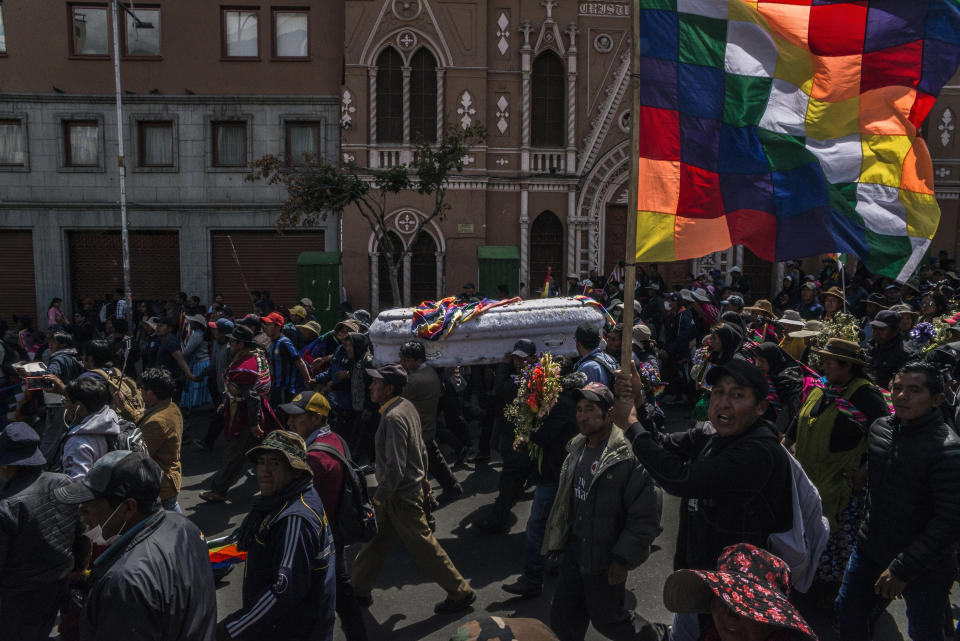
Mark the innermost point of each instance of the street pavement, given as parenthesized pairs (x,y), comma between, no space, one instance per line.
(403,602)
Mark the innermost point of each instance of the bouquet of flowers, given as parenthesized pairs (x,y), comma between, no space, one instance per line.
(842,326)
(537,393)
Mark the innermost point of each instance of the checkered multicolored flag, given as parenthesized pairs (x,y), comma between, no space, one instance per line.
(791,127)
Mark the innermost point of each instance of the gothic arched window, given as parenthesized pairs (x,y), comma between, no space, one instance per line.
(423,96)
(389,96)
(546,104)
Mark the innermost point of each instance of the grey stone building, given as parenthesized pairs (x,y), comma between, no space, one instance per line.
(206,91)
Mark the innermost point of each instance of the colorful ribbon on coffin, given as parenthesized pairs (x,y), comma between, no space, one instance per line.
(433,320)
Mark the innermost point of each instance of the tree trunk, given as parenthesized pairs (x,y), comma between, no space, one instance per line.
(394,271)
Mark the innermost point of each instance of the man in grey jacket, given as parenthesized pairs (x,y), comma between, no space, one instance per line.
(604,519)
(401,461)
(424,389)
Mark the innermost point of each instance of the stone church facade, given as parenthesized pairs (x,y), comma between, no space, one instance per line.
(549,79)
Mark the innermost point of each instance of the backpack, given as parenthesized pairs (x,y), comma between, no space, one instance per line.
(129,438)
(802,545)
(127,399)
(356,520)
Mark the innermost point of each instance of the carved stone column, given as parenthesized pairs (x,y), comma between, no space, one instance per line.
(524,242)
(441,103)
(526,69)
(572,99)
(406,105)
(571,234)
(405,294)
(372,155)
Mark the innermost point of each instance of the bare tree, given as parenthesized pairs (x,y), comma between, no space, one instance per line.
(316,189)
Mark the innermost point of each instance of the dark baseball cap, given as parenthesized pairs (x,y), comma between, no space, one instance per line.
(596,392)
(307,401)
(391,373)
(120,474)
(523,348)
(886,318)
(20,445)
(743,372)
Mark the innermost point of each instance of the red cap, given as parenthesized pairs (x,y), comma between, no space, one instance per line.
(273,318)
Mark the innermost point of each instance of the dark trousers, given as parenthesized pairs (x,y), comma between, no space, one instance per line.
(517,467)
(451,405)
(351,617)
(214,429)
(858,607)
(30,616)
(234,462)
(438,465)
(582,599)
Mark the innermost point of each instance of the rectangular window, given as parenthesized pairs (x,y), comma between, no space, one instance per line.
(156,143)
(290,34)
(240,31)
(303,138)
(3,37)
(12,145)
(89,27)
(142,32)
(81,143)
(229,144)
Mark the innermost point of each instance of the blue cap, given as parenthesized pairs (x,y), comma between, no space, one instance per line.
(225,325)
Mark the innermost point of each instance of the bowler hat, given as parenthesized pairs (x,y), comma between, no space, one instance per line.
(842,350)
(242,334)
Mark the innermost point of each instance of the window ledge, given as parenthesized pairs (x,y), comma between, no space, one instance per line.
(228,170)
(15,168)
(240,58)
(140,58)
(81,170)
(90,57)
(173,169)
(290,59)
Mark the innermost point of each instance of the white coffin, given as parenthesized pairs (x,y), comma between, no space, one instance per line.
(550,323)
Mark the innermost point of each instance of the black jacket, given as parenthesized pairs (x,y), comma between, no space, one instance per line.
(913,511)
(289,586)
(559,426)
(155,583)
(886,361)
(65,364)
(735,489)
(37,533)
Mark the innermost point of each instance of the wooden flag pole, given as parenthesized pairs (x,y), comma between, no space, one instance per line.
(630,262)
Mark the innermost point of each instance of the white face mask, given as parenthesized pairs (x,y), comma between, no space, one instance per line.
(666,305)
(95,534)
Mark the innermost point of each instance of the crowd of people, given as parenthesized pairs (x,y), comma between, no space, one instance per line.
(822,459)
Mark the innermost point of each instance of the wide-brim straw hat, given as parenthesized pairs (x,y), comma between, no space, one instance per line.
(835,292)
(311,326)
(791,317)
(842,350)
(810,328)
(904,309)
(762,306)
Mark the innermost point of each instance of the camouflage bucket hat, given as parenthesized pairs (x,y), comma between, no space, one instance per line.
(289,444)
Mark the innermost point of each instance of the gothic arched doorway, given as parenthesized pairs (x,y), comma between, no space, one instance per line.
(546,250)
(423,269)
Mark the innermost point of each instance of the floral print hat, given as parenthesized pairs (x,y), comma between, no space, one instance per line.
(752,582)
